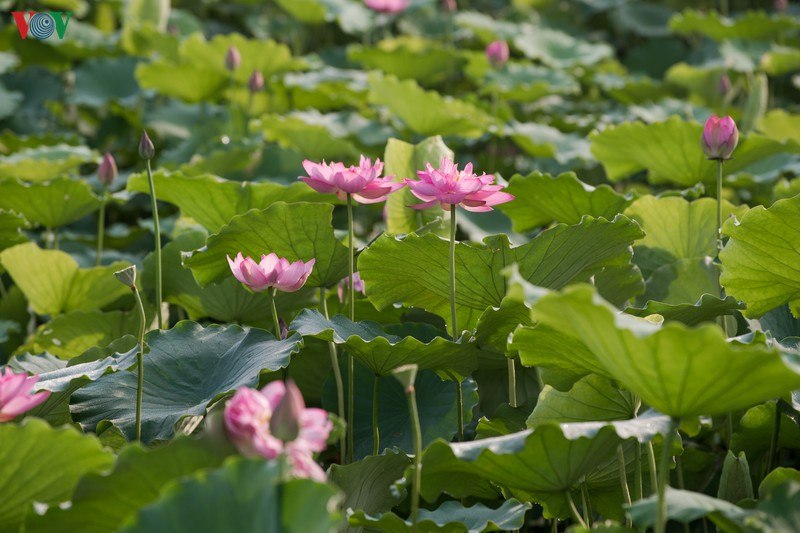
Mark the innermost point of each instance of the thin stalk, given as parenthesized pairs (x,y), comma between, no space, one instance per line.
(623,476)
(416,483)
(247,113)
(375,421)
(49,238)
(574,511)
(679,477)
(638,473)
(777,423)
(554,526)
(586,504)
(663,476)
(459,412)
(719,205)
(350,361)
(276,325)
(100,237)
(139,397)
(338,378)
(158,253)
(510,366)
(453,320)
(651,460)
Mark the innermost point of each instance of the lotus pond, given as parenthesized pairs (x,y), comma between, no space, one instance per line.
(391,265)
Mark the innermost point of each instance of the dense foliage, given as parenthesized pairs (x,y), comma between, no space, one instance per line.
(609,362)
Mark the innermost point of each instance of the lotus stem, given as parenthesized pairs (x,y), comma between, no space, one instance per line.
(663,476)
(142,333)
(158,253)
(453,320)
(511,367)
(719,205)
(416,484)
(638,473)
(623,475)
(338,378)
(574,511)
(651,462)
(276,325)
(777,423)
(375,420)
(350,293)
(586,504)
(100,237)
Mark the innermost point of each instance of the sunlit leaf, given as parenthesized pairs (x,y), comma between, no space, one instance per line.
(51,204)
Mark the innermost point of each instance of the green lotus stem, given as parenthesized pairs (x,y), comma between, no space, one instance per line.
(510,366)
(453,320)
(638,473)
(651,461)
(777,423)
(416,483)
(350,293)
(586,504)
(719,205)
(247,113)
(554,526)
(158,253)
(663,476)
(276,325)
(100,237)
(459,412)
(139,397)
(338,378)
(679,473)
(375,421)
(574,511)
(623,475)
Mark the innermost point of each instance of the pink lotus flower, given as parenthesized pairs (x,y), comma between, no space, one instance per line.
(15,394)
(498,54)
(271,271)
(447,186)
(387,6)
(363,182)
(274,421)
(719,138)
(358,285)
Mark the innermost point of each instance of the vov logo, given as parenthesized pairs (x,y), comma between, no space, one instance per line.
(41,25)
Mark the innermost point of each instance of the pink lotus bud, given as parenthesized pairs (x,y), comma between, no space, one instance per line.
(498,54)
(448,186)
(358,285)
(724,85)
(271,271)
(719,138)
(387,6)
(15,394)
(450,5)
(284,424)
(107,169)
(232,58)
(282,327)
(256,82)
(146,149)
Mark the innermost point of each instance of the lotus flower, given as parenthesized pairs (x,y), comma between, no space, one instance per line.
(363,182)
(15,394)
(232,58)
(274,421)
(256,82)
(447,186)
(107,170)
(719,138)
(498,54)
(387,6)
(358,285)
(271,271)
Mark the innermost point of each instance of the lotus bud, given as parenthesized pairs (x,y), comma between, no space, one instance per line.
(107,169)
(719,138)
(724,85)
(285,422)
(146,149)
(127,276)
(498,54)
(256,82)
(233,58)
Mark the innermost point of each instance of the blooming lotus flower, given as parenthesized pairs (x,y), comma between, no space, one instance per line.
(387,6)
(498,54)
(274,421)
(15,394)
(719,138)
(363,182)
(447,186)
(271,271)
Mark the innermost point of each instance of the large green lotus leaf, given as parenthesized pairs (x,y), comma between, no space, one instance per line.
(11,224)
(51,204)
(761,258)
(307,11)
(558,49)
(382,353)
(752,25)
(45,162)
(780,60)
(779,125)
(449,517)
(198,72)
(327,89)
(245,495)
(487,28)
(100,81)
(427,112)
(393,268)
(53,283)
(435,399)
(409,57)
(213,201)
(186,368)
(225,302)
(666,366)
(404,160)
(71,334)
(541,140)
(618,285)
(366,484)
(496,324)
(593,398)
(353,18)
(541,199)
(307,233)
(527,82)
(754,433)
(42,464)
(671,152)
(706,309)
(313,141)
(533,464)
(101,503)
